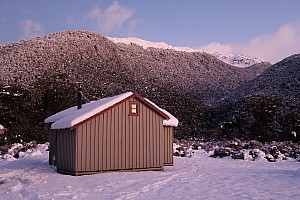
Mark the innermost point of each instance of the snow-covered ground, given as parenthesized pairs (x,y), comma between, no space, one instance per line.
(200,177)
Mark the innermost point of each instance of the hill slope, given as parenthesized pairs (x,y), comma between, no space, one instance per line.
(265,108)
(90,57)
(281,80)
(42,73)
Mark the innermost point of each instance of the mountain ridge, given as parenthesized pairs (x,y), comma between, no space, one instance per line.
(239,60)
(76,52)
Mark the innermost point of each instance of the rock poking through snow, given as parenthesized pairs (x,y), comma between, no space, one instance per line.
(251,151)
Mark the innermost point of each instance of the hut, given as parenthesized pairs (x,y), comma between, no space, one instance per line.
(120,133)
(2,130)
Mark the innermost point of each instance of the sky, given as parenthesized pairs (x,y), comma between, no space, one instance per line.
(267,29)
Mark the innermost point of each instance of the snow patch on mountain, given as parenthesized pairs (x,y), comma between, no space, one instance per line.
(147,44)
(240,60)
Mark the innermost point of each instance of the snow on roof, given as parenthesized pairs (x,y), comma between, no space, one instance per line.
(172,121)
(71,116)
(1,127)
(61,114)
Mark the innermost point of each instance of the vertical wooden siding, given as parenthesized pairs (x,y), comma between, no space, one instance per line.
(66,149)
(168,146)
(115,140)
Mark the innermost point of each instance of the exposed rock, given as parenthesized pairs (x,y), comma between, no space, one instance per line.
(221,152)
(253,144)
(238,155)
(195,146)
(270,158)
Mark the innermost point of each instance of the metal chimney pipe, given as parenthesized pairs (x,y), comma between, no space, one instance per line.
(79,95)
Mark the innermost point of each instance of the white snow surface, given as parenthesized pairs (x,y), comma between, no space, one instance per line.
(147,44)
(199,177)
(62,114)
(72,116)
(239,60)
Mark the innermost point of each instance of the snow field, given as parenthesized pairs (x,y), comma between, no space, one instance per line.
(199,177)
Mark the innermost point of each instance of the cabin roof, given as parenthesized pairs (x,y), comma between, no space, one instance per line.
(71,117)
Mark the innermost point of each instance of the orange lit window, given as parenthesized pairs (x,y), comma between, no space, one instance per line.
(133,108)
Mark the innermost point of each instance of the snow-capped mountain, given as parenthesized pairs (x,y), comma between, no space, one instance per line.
(146,44)
(240,60)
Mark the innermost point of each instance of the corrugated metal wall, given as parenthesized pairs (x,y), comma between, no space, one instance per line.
(53,147)
(66,149)
(115,140)
(168,146)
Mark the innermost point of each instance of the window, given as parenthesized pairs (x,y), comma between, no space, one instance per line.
(133,110)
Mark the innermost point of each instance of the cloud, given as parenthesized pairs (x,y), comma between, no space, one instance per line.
(111,19)
(271,47)
(217,47)
(30,28)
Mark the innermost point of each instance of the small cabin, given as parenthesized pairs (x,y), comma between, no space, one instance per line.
(120,133)
(2,130)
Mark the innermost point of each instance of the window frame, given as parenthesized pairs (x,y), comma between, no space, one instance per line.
(137,113)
